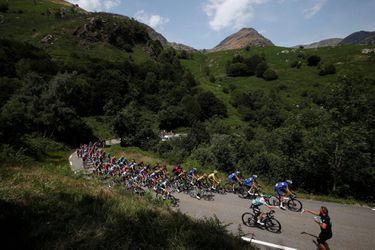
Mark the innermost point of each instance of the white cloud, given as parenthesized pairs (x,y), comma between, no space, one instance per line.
(309,13)
(225,13)
(96,5)
(155,21)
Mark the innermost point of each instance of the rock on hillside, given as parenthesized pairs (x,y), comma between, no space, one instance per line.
(323,43)
(243,38)
(360,37)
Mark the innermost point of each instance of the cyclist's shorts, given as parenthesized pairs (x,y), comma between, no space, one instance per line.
(231,181)
(279,191)
(256,210)
(323,237)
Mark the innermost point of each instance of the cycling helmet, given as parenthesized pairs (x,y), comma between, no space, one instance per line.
(238,172)
(194,169)
(255,176)
(289,181)
(215,171)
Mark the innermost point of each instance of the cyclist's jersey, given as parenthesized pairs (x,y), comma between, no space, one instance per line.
(233,176)
(152,176)
(212,177)
(191,172)
(259,201)
(249,181)
(281,185)
(143,171)
(202,178)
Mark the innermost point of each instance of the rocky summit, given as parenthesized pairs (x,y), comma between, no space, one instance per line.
(241,39)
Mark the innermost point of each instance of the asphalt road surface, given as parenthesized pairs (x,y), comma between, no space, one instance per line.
(353,226)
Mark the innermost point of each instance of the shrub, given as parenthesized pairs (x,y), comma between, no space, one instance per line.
(313,60)
(4,7)
(212,78)
(270,75)
(237,69)
(327,70)
(261,68)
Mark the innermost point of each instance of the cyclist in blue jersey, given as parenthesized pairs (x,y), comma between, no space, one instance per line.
(191,175)
(251,183)
(233,178)
(281,189)
(256,204)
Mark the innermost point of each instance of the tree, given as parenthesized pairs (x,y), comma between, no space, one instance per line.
(270,75)
(261,68)
(211,105)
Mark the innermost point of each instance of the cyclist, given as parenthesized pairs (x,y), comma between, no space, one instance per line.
(199,183)
(191,175)
(233,178)
(256,204)
(282,188)
(177,170)
(214,179)
(251,183)
(325,225)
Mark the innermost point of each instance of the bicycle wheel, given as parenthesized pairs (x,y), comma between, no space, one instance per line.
(272,225)
(193,194)
(294,205)
(208,195)
(248,219)
(228,188)
(274,201)
(241,191)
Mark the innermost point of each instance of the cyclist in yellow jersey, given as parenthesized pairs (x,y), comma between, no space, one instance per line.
(214,179)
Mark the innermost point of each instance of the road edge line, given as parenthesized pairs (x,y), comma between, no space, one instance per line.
(267,244)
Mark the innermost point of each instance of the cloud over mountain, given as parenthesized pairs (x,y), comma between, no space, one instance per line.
(154,21)
(225,13)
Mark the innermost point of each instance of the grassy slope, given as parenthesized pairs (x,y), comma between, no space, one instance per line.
(347,59)
(47,207)
(34,23)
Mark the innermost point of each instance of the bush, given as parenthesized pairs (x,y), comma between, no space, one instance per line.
(237,69)
(327,70)
(261,68)
(4,7)
(313,60)
(212,78)
(270,75)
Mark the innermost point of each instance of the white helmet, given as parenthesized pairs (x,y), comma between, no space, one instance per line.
(289,181)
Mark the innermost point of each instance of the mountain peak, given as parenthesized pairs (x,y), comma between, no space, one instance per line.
(244,37)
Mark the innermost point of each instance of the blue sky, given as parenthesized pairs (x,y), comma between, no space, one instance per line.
(204,23)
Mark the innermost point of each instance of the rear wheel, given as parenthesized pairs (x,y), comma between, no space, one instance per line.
(273,225)
(228,187)
(274,201)
(248,219)
(294,205)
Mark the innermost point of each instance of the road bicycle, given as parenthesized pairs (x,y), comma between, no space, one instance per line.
(270,223)
(291,201)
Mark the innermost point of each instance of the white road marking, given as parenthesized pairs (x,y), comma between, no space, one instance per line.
(373,209)
(70,160)
(267,244)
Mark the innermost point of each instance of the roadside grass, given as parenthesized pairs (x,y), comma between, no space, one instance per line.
(48,207)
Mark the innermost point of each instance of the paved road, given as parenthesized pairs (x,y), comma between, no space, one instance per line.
(353,226)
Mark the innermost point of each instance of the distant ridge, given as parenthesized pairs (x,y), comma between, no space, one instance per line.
(323,43)
(359,38)
(241,39)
